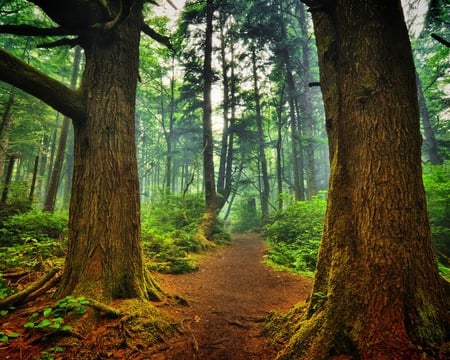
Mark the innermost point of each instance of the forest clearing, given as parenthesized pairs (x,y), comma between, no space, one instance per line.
(137,135)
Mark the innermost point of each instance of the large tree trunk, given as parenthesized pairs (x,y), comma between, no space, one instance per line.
(104,258)
(377,292)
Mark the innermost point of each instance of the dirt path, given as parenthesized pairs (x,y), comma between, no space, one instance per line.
(229,298)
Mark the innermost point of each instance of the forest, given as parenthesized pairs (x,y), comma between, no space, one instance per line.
(224,179)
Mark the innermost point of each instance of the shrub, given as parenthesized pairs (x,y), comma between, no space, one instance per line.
(294,236)
(27,239)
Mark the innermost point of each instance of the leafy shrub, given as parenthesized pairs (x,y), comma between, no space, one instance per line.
(37,225)
(168,232)
(27,239)
(294,236)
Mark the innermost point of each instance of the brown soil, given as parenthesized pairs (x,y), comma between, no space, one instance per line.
(229,298)
(227,302)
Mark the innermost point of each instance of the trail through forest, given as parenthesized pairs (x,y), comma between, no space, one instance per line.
(229,298)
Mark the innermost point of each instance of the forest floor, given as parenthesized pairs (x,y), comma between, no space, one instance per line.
(225,304)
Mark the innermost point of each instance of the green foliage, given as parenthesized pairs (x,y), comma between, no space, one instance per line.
(437,185)
(4,337)
(52,318)
(246,216)
(52,353)
(28,239)
(168,233)
(294,236)
(5,289)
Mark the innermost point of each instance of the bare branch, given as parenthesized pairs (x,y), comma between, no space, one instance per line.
(158,37)
(441,40)
(21,75)
(60,42)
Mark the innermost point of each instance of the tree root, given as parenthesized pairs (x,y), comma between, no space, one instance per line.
(32,290)
(107,310)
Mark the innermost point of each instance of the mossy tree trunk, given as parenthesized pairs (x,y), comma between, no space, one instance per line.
(377,292)
(104,258)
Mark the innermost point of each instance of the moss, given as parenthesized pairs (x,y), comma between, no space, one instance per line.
(282,326)
(428,328)
(144,320)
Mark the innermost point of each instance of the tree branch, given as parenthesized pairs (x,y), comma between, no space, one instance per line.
(158,37)
(29,30)
(60,42)
(21,75)
(441,40)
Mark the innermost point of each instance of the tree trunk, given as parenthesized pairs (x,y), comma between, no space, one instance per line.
(430,140)
(104,259)
(210,215)
(8,177)
(377,292)
(265,188)
(50,199)
(306,112)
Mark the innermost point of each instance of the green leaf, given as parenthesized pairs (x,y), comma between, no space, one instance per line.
(34,315)
(3,312)
(13,335)
(44,323)
(3,337)
(29,325)
(47,312)
(66,328)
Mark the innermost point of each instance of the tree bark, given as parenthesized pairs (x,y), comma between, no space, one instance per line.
(377,292)
(104,259)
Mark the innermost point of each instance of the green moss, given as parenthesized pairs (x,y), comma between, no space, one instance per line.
(428,328)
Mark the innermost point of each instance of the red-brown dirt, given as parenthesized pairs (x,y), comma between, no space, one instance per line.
(228,299)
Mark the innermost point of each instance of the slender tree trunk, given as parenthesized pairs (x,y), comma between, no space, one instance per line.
(50,200)
(104,256)
(377,292)
(5,126)
(306,112)
(279,149)
(430,140)
(265,188)
(210,215)
(34,179)
(8,177)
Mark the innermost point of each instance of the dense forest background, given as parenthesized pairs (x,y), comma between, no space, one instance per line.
(270,145)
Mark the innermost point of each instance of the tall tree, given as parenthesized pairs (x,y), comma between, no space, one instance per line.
(211,205)
(104,222)
(377,292)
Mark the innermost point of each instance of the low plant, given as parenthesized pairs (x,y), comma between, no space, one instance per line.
(52,318)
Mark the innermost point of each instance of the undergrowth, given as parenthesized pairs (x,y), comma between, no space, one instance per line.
(294,236)
(169,229)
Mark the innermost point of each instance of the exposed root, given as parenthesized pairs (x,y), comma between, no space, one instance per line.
(22,296)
